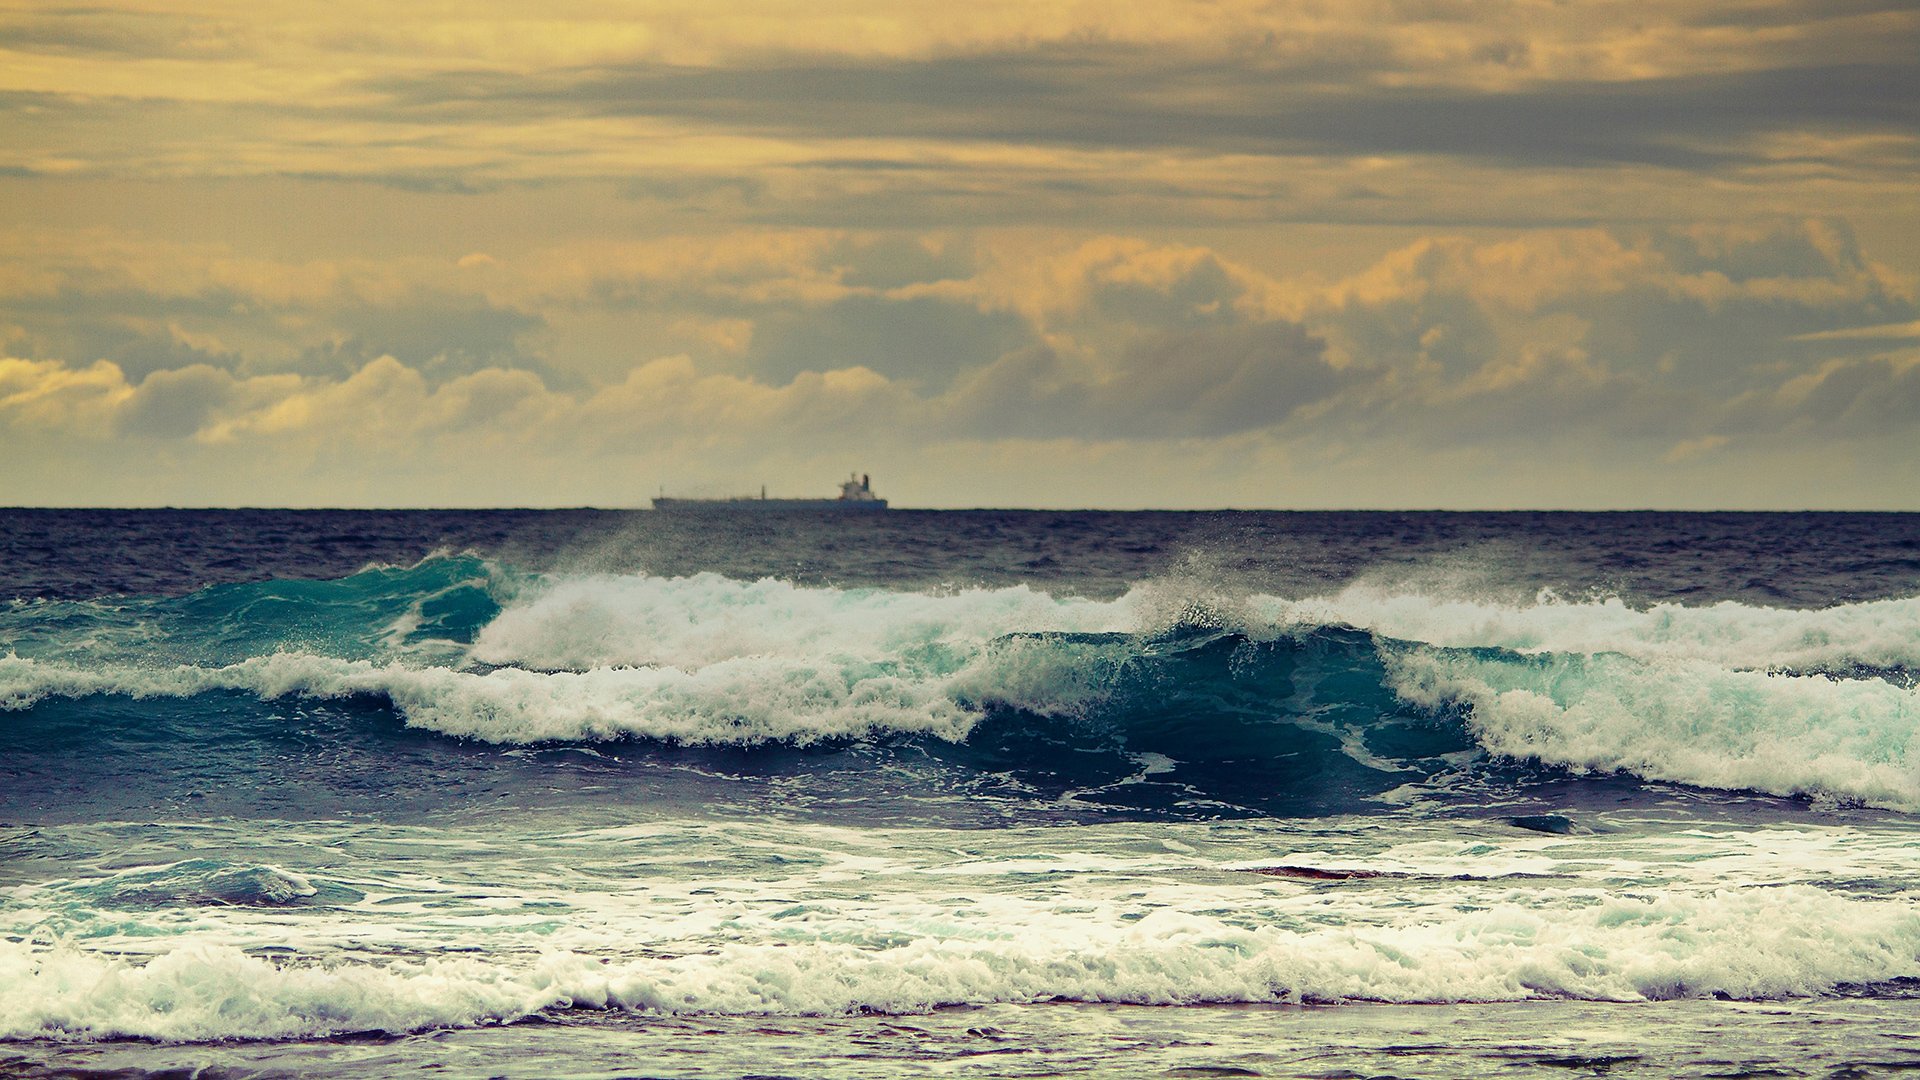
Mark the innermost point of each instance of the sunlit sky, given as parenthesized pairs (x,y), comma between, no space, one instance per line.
(1433,253)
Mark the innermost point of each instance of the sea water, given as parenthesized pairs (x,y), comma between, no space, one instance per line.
(961,794)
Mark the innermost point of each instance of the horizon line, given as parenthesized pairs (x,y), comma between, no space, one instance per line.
(210,507)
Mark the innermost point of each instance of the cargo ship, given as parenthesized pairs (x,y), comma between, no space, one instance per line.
(856,493)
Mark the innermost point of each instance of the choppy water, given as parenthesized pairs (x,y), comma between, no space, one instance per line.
(578,793)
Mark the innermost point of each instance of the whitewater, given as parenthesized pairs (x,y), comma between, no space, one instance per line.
(580,793)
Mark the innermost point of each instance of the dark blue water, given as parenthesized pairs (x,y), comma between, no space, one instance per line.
(1798,560)
(288,777)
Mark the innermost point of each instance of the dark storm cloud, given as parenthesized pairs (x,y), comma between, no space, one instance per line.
(114,32)
(146,332)
(745,190)
(924,342)
(1223,380)
(1634,336)
(1799,13)
(175,404)
(419,183)
(1201,383)
(134,329)
(1779,280)
(23,110)
(451,337)
(1874,396)
(1689,122)
(1647,336)
(888,262)
(1113,97)
(922,195)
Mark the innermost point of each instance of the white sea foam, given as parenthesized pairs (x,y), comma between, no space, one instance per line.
(1684,720)
(1751,943)
(693,622)
(201,992)
(1879,633)
(745,700)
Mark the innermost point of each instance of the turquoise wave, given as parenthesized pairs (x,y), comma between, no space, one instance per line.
(1174,698)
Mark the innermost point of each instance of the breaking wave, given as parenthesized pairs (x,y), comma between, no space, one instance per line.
(1365,682)
(1748,943)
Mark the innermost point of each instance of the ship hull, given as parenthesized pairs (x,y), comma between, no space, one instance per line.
(751,505)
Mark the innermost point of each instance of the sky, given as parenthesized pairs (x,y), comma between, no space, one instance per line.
(1340,253)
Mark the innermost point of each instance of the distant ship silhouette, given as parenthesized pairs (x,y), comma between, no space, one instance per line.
(856,493)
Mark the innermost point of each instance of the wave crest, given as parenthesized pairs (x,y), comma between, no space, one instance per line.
(1726,696)
(1685,721)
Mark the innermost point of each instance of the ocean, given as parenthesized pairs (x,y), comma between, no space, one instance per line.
(633,794)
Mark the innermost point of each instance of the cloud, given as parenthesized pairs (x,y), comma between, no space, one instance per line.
(1849,397)
(1674,349)
(121,34)
(48,394)
(359,244)
(152,307)
(1885,331)
(387,404)
(1646,334)
(1201,384)
(176,403)
(1688,449)
(878,113)
(927,340)
(1364,99)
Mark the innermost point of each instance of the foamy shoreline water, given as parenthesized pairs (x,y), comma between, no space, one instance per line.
(734,920)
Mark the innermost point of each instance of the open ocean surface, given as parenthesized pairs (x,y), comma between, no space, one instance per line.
(625,794)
